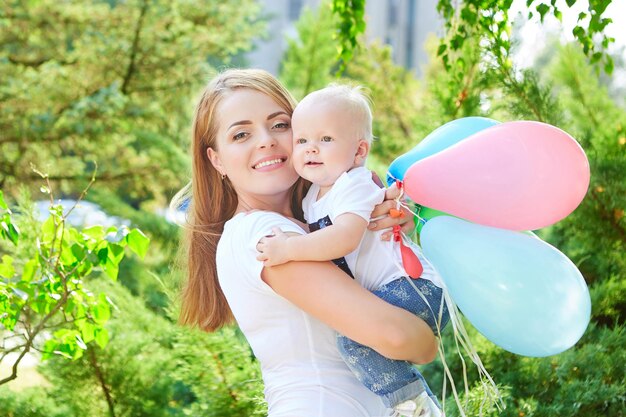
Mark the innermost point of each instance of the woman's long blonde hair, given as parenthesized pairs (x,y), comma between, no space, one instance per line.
(213,200)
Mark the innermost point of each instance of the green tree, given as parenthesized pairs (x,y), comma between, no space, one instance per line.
(487,20)
(594,236)
(396,104)
(311,57)
(42,287)
(109,82)
(152,367)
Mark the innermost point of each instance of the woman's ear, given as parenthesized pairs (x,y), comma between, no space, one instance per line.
(361,152)
(215,160)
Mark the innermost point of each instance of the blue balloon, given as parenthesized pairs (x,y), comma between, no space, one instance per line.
(441,138)
(517,290)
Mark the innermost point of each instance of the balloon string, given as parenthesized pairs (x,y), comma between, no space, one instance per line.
(463,343)
(400,200)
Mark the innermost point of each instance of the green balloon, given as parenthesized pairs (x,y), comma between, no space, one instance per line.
(424,214)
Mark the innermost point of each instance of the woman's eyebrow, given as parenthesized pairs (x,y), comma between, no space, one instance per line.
(248,122)
(241,122)
(271,116)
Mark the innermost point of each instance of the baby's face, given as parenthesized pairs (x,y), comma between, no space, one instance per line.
(325,141)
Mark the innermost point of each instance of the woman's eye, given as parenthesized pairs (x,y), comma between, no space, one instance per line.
(240,135)
(281,125)
(327,139)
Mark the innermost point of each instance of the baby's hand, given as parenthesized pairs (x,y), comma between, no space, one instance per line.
(273,249)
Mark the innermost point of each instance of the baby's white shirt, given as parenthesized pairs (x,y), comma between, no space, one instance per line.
(375,262)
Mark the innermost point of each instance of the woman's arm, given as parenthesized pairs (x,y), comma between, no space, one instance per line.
(324,291)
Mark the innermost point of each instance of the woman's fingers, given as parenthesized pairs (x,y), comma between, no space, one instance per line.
(409,226)
(392,192)
(387,222)
(383,208)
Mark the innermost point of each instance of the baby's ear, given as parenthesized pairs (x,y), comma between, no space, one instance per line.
(361,152)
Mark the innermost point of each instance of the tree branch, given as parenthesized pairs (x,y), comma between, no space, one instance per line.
(93,360)
(135,48)
(31,339)
(34,62)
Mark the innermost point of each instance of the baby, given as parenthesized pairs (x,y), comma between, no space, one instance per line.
(332,133)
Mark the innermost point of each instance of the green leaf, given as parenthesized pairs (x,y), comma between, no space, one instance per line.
(78,251)
(457,42)
(94,232)
(138,242)
(609,65)
(20,293)
(9,230)
(543,9)
(49,349)
(558,15)
(3,205)
(80,343)
(88,331)
(85,268)
(30,268)
(101,311)
(103,255)
(102,337)
(8,320)
(115,253)
(6,267)
(578,31)
(596,57)
(69,343)
(111,269)
(67,255)
(468,15)
(48,229)
(117,235)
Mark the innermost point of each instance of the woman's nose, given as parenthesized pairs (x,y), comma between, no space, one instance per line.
(266,140)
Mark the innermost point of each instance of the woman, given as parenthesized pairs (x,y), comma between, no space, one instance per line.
(243,185)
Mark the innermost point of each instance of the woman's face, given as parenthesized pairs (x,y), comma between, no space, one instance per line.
(253,146)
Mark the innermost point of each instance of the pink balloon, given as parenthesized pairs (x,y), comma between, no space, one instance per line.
(517,175)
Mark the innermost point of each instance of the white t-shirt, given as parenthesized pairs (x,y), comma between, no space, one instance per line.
(374,262)
(303,372)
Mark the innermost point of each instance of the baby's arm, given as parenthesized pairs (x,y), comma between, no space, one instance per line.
(332,242)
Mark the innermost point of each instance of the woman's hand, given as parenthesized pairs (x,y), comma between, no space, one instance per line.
(381,218)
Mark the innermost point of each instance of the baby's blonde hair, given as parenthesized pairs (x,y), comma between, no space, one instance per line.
(357,101)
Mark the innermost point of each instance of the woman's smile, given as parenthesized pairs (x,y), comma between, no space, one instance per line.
(270,163)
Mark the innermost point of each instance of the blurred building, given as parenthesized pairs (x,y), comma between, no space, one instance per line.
(403,24)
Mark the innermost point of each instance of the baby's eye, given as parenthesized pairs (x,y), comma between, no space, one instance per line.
(327,139)
(301,141)
(240,135)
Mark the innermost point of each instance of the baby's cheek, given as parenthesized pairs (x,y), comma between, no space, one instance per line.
(297,156)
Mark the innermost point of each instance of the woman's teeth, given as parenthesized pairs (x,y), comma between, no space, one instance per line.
(266,163)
